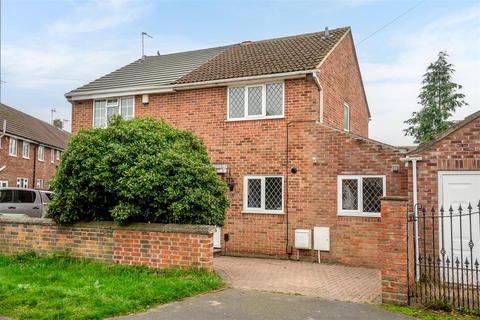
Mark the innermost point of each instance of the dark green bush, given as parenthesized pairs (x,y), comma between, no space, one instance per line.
(137,170)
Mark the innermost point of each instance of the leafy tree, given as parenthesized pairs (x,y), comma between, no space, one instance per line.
(137,170)
(439,98)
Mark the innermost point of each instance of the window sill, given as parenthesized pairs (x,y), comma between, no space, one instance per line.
(12,155)
(359,215)
(26,158)
(253,119)
(263,212)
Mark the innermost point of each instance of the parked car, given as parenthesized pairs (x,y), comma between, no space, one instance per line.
(27,202)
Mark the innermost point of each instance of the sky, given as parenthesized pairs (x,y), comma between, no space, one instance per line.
(51,47)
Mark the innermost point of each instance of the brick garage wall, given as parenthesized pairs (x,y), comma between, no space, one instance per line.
(154,245)
(459,151)
(18,167)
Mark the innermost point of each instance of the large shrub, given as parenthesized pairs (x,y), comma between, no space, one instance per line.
(137,170)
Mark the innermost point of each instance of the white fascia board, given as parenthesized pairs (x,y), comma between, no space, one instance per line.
(131,91)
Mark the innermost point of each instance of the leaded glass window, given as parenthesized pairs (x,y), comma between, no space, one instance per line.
(263,194)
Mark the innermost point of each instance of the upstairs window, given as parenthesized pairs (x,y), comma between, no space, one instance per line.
(41,153)
(12,147)
(26,150)
(104,109)
(261,101)
(346,117)
(360,195)
(52,155)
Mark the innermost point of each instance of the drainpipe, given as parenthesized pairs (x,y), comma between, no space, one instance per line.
(34,164)
(4,130)
(415,204)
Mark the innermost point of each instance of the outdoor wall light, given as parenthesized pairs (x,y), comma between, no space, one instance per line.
(230,182)
(294,170)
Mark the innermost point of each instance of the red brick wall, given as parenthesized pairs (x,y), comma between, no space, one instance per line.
(393,251)
(154,245)
(342,82)
(459,151)
(313,190)
(18,167)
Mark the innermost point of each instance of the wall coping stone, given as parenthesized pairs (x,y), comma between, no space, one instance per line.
(394,198)
(135,226)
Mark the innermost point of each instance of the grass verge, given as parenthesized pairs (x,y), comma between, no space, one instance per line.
(61,287)
(426,314)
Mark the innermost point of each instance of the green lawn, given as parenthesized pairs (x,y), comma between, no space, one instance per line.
(59,287)
(426,314)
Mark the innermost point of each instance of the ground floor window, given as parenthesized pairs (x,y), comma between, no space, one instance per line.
(22,182)
(39,183)
(3,183)
(360,195)
(263,194)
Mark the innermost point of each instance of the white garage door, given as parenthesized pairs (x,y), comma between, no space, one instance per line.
(455,189)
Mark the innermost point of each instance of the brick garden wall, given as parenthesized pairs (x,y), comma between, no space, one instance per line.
(154,245)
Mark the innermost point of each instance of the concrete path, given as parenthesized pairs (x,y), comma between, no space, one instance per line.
(250,304)
(332,282)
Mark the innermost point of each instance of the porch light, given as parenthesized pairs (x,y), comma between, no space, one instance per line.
(230,182)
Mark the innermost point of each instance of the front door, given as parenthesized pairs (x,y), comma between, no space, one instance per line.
(462,230)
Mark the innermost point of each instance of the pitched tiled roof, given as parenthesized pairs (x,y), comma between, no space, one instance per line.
(25,126)
(151,71)
(295,53)
(288,54)
(447,132)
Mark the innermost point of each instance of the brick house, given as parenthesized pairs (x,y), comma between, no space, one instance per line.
(29,149)
(285,122)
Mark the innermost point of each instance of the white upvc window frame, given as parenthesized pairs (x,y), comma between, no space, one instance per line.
(42,153)
(359,211)
(39,184)
(345,105)
(24,182)
(12,147)
(262,210)
(52,155)
(57,153)
(25,147)
(115,102)
(263,116)
(3,183)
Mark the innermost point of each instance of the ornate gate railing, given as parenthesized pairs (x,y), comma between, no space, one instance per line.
(446,251)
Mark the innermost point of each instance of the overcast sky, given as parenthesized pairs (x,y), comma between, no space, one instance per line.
(51,47)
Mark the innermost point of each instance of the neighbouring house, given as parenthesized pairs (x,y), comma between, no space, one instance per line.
(285,122)
(30,149)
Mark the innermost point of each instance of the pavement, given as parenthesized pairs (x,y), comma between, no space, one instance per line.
(331,282)
(239,304)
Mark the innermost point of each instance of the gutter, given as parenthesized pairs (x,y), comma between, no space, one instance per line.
(129,91)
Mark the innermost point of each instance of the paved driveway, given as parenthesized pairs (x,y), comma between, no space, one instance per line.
(250,304)
(331,282)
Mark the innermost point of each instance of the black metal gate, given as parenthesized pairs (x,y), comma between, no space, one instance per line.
(445,247)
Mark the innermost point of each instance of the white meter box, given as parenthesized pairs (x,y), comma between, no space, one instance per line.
(321,238)
(303,238)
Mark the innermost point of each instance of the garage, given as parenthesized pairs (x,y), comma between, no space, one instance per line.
(444,183)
